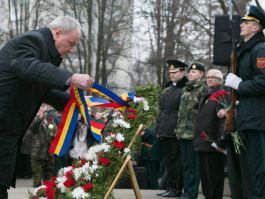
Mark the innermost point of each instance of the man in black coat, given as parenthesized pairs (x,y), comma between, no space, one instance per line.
(169,101)
(30,75)
(250,86)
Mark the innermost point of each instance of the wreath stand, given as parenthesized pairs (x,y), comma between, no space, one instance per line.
(128,164)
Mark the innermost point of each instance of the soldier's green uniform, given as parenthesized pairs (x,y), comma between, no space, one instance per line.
(185,131)
(42,162)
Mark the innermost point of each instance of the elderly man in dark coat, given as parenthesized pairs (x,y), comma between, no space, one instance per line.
(29,75)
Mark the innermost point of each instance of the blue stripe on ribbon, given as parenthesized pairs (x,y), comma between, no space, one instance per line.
(70,132)
(82,97)
(97,137)
(131,95)
(110,94)
(98,100)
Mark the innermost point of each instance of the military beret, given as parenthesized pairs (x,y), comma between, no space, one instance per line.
(175,65)
(196,66)
(255,14)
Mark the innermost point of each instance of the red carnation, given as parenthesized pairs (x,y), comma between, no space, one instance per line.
(49,183)
(88,186)
(132,117)
(131,110)
(50,192)
(119,145)
(82,162)
(54,178)
(69,174)
(218,95)
(69,183)
(104,161)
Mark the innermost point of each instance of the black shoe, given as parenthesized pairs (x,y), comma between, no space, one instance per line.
(3,193)
(160,194)
(170,194)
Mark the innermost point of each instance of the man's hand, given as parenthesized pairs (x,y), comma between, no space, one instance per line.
(82,81)
(221,113)
(232,81)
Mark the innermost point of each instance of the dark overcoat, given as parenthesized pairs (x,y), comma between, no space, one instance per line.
(169,101)
(29,76)
(208,122)
(251,91)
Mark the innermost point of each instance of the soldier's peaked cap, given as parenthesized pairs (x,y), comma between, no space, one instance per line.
(255,14)
(175,65)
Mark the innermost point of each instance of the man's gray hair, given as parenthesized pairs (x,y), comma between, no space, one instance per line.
(216,73)
(66,23)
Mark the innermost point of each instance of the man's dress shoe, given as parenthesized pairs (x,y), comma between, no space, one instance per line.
(170,194)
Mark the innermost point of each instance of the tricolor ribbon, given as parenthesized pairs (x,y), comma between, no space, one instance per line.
(78,104)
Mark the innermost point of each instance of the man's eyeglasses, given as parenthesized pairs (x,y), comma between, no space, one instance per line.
(213,77)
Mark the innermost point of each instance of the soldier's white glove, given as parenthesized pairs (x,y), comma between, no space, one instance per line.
(232,81)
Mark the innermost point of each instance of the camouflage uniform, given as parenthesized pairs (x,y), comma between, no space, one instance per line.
(191,95)
(185,131)
(42,162)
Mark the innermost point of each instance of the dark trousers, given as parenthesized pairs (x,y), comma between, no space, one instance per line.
(23,169)
(255,145)
(8,155)
(190,168)
(238,173)
(171,154)
(3,192)
(212,174)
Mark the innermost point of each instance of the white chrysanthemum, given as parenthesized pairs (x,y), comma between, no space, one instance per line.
(93,151)
(126,150)
(145,103)
(64,170)
(105,147)
(87,176)
(43,198)
(108,139)
(60,185)
(119,137)
(90,156)
(146,106)
(79,193)
(120,123)
(93,168)
(116,114)
(38,188)
(86,165)
(77,173)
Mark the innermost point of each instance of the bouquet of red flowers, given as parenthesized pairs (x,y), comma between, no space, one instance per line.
(221,97)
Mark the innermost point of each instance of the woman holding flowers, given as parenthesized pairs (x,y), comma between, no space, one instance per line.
(209,131)
(185,130)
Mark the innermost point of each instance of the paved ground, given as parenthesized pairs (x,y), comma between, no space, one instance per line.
(23,186)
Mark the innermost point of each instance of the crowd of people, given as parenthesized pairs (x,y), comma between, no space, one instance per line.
(192,120)
(190,127)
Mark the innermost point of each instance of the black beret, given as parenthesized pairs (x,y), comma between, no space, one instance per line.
(255,14)
(196,66)
(175,65)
